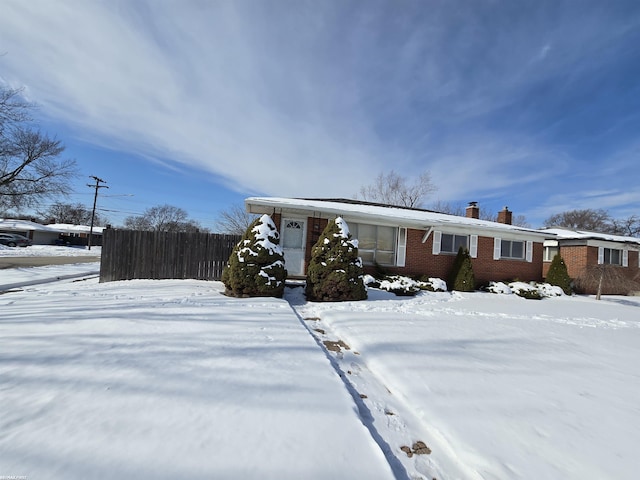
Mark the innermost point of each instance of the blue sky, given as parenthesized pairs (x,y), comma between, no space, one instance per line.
(199,104)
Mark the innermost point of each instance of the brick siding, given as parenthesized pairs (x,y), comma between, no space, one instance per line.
(578,257)
(420,261)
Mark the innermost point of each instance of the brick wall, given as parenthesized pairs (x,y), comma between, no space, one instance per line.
(577,258)
(420,261)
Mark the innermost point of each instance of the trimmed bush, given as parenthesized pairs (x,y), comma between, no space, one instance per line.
(558,274)
(335,271)
(256,265)
(462,278)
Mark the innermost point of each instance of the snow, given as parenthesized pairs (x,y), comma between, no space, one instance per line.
(70,228)
(171,379)
(563,233)
(543,289)
(500,387)
(49,251)
(421,219)
(263,230)
(9,224)
(343,228)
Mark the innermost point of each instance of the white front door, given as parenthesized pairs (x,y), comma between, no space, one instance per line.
(293,244)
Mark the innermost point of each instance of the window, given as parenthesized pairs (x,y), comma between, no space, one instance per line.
(450,243)
(376,244)
(550,252)
(293,235)
(610,256)
(512,249)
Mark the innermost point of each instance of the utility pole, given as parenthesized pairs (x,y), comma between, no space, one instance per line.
(97,186)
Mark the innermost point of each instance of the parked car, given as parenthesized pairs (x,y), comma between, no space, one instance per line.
(14,240)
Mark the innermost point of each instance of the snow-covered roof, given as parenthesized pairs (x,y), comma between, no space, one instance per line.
(383,214)
(69,228)
(23,225)
(567,234)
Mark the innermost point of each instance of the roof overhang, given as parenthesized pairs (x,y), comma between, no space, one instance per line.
(389,216)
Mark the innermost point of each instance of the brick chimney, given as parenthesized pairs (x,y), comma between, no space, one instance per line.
(473,211)
(505,216)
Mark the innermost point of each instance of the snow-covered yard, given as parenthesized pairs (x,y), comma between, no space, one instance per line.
(49,251)
(171,379)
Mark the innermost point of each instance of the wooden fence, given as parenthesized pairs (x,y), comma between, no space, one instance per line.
(129,254)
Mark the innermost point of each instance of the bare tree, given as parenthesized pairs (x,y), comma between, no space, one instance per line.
(235,220)
(30,169)
(459,210)
(629,227)
(163,218)
(74,214)
(588,219)
(606,278)
(456,209)
(393,189)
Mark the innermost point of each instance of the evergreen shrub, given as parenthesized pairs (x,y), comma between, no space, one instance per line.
(558,274)
(335,271)
(461,277)
(256,266)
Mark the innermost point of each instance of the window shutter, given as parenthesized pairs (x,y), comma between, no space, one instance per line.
(437,239)
(600,255)
(497,248)
(529,253)
(402,247)
(473,246)
(625,258)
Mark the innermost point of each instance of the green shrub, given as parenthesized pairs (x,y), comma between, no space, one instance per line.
(558,274)
(461,277)
(256,265)
(529,294)
(335,271)
(400,285)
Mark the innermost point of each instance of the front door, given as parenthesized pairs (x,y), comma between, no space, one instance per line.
(293,245)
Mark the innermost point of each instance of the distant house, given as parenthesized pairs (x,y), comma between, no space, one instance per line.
(78,234)
(38,233)
(408,241)
(583,250)
(53,233)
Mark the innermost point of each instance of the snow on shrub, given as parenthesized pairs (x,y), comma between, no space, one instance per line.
(432,284)
(533,290)
(335,271)
(256,265)
(405,286)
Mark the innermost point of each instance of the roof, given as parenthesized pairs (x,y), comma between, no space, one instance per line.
(568,234)
(69,228)
(356,210)
(24,225)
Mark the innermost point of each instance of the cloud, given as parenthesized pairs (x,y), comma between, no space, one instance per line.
(316,99)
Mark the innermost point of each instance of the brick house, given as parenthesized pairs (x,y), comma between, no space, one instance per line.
(408,241)
(582,251)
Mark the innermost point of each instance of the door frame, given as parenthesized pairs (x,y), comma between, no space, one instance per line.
(305,223)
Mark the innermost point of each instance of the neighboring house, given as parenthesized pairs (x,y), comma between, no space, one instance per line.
(39,234)
(582,251)
(408,241)
(78,234)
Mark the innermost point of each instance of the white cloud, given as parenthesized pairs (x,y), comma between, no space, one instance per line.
(290,99)
(205,95)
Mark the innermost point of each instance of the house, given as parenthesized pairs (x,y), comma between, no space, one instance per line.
(408,241)
(584,251)
(78,234)
(39,234)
